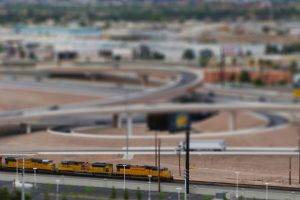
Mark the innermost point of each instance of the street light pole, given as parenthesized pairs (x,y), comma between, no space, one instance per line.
(178,192)
(149,188)
(237,185)
(57,189)
(267,191)
(187,163)
(178,151)
(124,182)
(23,174)
(17,169)
(34,176)
(299,160)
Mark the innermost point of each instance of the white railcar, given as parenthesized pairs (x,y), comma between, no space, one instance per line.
(205,145)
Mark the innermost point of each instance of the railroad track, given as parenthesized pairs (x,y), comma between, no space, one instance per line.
(241,185)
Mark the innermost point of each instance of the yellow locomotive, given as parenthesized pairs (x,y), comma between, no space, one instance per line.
(84,168)
(143,171)
(29,164)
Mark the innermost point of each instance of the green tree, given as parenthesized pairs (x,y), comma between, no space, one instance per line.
(15,195)
(113,194)
(64,198)
(161,196)
(266,29)
(88,190)
(46,196)
(245,77)
(293,67)
(126,194)
(4,194)
(241,198)
(204,57)
(258,82)
(138,194)
(225,198)
(207,197)
(188,55)
(28,197)
(158,56)
(271,49)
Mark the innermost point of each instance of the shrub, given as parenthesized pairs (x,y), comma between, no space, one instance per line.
(158,56)
(138,194)
(126,194)
(258,82)
(64,198)
(113,194)
(161,196)
(188,54)
(4,194)
(245,77)
(207,197)
(46,196)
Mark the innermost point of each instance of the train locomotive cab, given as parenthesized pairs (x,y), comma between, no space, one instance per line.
(42,165)
(12,163)
(136,171)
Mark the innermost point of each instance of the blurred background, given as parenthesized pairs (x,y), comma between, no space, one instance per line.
(72,71)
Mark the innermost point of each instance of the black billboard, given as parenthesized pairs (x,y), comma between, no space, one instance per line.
(172,122)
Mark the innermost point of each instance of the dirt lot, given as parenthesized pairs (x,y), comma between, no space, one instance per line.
(214,124)
(281,137)
(12,99)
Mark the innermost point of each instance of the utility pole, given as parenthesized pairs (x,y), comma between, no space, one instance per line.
(158,179)
(290,170)
(299,160)
(23,174)
(155,143)
(187,162)
(179,160)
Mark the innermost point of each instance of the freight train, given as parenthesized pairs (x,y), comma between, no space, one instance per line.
(96,169)
(296,87)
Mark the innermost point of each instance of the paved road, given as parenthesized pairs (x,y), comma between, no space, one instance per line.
(187,79)
(151,151)
(166,187)
(68,87)
(248,94)
(151,108)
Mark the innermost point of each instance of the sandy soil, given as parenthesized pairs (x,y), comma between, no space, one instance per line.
(282,137)
(243,120)
(12,99)
(220,122)
(252,169)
